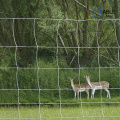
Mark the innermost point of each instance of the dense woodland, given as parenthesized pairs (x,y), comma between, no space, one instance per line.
(66,24)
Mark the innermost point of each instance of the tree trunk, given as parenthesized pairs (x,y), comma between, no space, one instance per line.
(85,24)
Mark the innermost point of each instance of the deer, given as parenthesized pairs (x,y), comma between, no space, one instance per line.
(98,86)
(80,88)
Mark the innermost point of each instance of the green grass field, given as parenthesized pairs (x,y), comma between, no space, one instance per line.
(90,109)
(95,112)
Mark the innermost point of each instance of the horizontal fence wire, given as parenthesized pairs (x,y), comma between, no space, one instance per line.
(55,47)
(60,19)
(58,68)
(48,89)
(64,103)
(66,117)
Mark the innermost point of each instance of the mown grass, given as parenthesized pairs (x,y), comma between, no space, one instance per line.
(80,112)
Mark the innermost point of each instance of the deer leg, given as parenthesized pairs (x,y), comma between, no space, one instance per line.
(75,96)
(78,95)
(93,92)
(91,95)
(108,93)
(87,91)
(88,94)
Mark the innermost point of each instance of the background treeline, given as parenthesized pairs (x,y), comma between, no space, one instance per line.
(70,34)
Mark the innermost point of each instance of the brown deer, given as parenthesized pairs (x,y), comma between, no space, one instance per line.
(80,88)
(98,86)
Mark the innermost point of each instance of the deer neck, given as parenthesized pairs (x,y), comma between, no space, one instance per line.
(90,84)
(72,84)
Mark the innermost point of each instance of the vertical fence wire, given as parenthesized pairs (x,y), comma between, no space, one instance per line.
(13,28)
(57,60)
(34,28)
(99,66)
(118,52)
(79,70)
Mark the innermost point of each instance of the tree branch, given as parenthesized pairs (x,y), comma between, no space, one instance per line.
(85,7)
(63,44)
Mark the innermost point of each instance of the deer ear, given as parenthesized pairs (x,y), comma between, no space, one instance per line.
(84,76)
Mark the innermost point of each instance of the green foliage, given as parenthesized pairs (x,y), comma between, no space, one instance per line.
(29,81)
